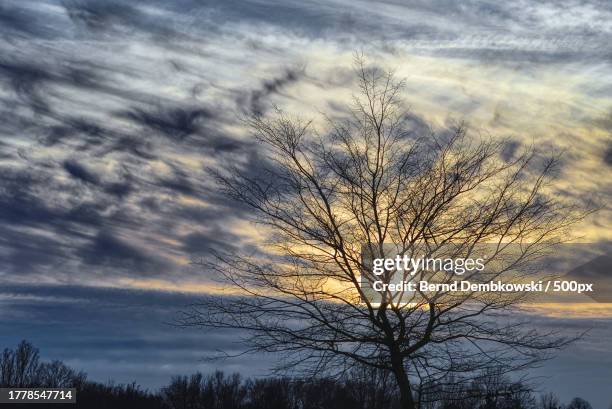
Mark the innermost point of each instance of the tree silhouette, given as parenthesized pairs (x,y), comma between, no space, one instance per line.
(19,367)
(549,401)
(579,403)
(369,180)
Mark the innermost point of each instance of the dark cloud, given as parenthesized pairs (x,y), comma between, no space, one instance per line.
(108,250)
(89,133)
(79,172)
(40,231)
(102,16)
(173,122)
(26,80)
(135,146)
(42,228)
(24,22)
(34,83)
(604,122)
(71,216)
(607,156)
(19,204)
(516,56)
(83,215)
(509,149)
(597,273)
(215,239)
(109,19)
(35,80)
(178,182)
(257,100)
(195,125)
(15,19)
(32,77)
(119,189)
(416,125)
(24,253)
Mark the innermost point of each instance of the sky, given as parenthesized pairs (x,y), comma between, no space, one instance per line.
(111,112)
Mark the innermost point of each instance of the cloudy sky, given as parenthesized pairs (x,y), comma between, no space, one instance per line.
(112,110)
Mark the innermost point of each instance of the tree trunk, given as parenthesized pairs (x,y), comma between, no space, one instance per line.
(403,383)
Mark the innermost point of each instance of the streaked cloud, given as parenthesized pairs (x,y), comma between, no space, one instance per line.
(112,111)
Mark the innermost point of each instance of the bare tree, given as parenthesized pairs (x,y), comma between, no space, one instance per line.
(19,368)
(7,368)
(549,401)
(370,180)
(579,403)
(56,374)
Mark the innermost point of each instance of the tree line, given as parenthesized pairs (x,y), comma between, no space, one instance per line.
(361,388)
